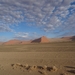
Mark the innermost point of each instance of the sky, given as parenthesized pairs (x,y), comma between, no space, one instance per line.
(30,19)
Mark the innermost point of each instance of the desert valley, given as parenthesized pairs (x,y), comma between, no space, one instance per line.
(42,39)
(37,37)
(42,56)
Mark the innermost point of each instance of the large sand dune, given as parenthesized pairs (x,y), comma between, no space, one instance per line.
(12,42)
(42,39)
(26,42)
(62,39)
(1,43)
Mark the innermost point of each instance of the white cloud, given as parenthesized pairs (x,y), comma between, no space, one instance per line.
(70,23)
(45,13)
(21,35)
(26,35)
(5,28)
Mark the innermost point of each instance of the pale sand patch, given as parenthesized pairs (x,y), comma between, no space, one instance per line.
(62,63)
(38,59)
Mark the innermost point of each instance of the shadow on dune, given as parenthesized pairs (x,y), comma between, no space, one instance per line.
(42,39)
(73,38)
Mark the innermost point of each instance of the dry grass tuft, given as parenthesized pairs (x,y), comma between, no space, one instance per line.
(14,66)
(42,72)
(18,64)
(40,67)
(45,67)
(34,67)
(26,65)
(54,68)
(63,74)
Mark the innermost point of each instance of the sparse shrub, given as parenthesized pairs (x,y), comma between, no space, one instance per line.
(54,68)
(43,72)
(45,67)
(34,67)
(14,66)
(63,74)
(26,65)
(18,64)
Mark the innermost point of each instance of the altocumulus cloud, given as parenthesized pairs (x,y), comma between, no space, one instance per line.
(49,14)
(21,35)
(4,28)
(26,35)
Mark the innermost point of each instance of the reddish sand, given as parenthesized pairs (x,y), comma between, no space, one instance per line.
(67,38)
(25,42)
(72,38)
(12,42)
(41,40)
(1,43)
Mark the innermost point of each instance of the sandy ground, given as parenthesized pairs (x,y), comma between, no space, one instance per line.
(17,63)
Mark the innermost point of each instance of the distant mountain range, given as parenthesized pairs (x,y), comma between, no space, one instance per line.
(42,39)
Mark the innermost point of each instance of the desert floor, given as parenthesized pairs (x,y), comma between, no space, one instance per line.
(40,59)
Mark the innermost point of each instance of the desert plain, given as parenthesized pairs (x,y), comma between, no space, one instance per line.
(56,58)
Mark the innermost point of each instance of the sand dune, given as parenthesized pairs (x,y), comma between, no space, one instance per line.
(72,38)
(59,40)
(12,42)
(26,42)
(1,43)
(41,40)
(62,39)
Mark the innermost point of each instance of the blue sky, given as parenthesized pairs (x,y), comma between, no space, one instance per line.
(30,19)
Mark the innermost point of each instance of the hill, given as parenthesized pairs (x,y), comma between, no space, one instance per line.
(43,39)
(1,43)
(12,42)
(26,42)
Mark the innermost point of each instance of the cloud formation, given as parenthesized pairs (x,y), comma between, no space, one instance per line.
(21,35)
(48,14)
(5,28)
(26,35)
